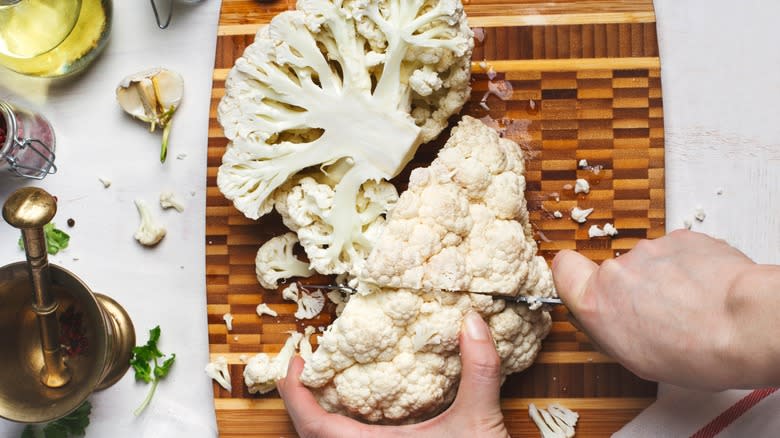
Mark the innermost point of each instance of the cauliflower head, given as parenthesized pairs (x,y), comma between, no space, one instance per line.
(275,261)
(344,90)
(463,223)
(392,356)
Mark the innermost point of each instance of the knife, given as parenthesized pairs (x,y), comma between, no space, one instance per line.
(524,299)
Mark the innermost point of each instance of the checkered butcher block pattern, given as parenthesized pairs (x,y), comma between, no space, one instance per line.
(586,80)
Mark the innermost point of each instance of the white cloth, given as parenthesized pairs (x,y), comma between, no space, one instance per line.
(163,285)
(681,412)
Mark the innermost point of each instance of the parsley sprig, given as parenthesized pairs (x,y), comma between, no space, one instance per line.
(73,424)
(148,369)
(56,239)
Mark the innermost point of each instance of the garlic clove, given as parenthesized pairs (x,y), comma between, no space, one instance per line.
(152,96)
(169,87)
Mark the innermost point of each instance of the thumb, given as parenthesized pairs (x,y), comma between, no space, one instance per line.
(480,380)
(571,274)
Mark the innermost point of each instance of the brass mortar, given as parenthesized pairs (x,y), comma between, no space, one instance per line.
(61,341)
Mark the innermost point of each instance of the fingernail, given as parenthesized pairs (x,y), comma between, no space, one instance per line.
(476,328)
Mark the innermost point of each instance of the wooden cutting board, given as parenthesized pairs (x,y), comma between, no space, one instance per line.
(586,75)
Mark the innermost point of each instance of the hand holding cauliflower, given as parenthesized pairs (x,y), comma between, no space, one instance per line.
(476,410)
(392,356)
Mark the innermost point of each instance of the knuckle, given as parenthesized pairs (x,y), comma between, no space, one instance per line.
(487,367)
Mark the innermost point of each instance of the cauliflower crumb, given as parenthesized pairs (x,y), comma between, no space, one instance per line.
(581,186)
(531,104)
(243,358)
(579,215)
(218,370)
(168,200)
(688,224)
(568,187)
(557,214)
(555,422)
(610,229)
(699,215)
(105,181)
(583,164)
(263,309)
(150,232)
(479,34)
(228,317)
(595,231)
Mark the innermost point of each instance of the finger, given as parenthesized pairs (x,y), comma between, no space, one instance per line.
(571,274)
(308,417)
(480,379)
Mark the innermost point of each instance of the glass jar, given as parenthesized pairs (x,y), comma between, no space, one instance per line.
(26,142)
(51,38)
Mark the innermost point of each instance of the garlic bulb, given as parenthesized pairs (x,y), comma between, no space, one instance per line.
(153,97)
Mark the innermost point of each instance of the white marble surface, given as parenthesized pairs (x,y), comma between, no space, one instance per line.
(721,101)
(164,285)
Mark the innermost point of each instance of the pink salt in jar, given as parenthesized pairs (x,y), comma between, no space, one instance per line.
(26,142)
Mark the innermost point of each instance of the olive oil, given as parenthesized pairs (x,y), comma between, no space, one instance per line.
(84,42)
(32,27)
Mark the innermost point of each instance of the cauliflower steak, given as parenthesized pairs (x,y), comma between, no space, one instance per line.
(341,92)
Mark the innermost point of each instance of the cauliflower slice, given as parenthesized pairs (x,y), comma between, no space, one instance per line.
(310,302)
(345,91)
(261,372)
(463,223)
(555,422)
(218,370)
(275,261)
(372,365)
(150,232)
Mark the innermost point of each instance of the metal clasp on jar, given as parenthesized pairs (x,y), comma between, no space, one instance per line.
(28,149)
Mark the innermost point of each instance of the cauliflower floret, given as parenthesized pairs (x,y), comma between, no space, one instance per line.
(392,356)
(261,372)
(264,309)
(168,200)
(305,346)
(228,318)
(344,92)
(218,370)
(275,261)
(307,202)
(463,223)
(150,232)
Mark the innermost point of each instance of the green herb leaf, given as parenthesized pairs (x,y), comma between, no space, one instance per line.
(56,239)
(146,366)
(71,425)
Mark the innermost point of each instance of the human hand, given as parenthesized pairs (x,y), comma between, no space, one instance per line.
(476,410)
(676,309)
